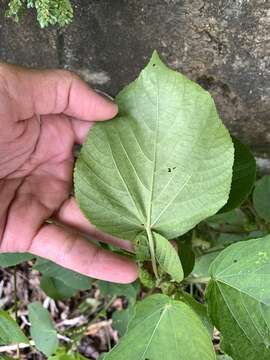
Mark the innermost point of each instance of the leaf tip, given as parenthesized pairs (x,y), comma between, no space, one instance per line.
(155,59)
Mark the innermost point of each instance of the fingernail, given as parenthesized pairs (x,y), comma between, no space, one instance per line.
(104,95)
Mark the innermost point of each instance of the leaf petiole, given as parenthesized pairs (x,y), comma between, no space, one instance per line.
(152,251)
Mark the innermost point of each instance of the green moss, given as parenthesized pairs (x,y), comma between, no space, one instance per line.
(49,12)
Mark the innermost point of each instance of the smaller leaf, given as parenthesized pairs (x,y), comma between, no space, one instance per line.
(130,291)
(42,329)
(142,248)
(244,175)
(146,278)
(168,258)
(235,218)
(187,256)
(12,259)
(68,277)
(56,289)
(261,198)
(202,264)
(10,332)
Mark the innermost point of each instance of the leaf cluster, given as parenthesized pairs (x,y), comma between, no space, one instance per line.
(49,12)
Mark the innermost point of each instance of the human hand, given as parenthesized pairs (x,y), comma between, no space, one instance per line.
(42,115)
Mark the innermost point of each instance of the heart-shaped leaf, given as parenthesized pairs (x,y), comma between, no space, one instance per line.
(164,329)
(163,164)
(238,298)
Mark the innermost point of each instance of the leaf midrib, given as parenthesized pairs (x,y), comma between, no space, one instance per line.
(150,204)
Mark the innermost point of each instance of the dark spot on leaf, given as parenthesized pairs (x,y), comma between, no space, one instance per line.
(154,65)
(169,170)
(174,168)
(234,260)
(142,224)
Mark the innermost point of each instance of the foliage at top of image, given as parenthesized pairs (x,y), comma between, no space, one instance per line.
(49,12)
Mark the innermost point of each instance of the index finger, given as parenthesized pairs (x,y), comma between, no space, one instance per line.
(53,92)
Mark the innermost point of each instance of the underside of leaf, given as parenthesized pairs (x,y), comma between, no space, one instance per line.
(162,165)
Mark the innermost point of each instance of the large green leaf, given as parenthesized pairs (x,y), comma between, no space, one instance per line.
(121,319)
(10,332)
(12,259)
(42,329)
(168,258)
(69,278)
(244,175)
(163,165)
(164,329)
(198,308)
(261,197)
(238,298)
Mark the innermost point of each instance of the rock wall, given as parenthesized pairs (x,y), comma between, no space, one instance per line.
(222,44)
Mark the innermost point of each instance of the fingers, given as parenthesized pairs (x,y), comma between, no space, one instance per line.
(72,251)
(53,92)
(80,129)
(71,216)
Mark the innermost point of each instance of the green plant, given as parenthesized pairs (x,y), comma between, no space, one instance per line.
(49,12)
(167,169)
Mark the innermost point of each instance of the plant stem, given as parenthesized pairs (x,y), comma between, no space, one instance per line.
(201,280)
(152,251)
(16,305)
(15,294)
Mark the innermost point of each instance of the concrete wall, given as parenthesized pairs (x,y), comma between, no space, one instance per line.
(222,44)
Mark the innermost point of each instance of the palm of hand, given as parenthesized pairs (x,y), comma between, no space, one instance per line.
(41,183)
(36,167)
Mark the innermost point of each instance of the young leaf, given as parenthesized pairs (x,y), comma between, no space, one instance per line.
(70,278)
(164,329)
(163,164)
(238,298)
(244,176)
(10,332)
(168,258)
(261,198)
(42,329)
(12,259)
(142,248)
